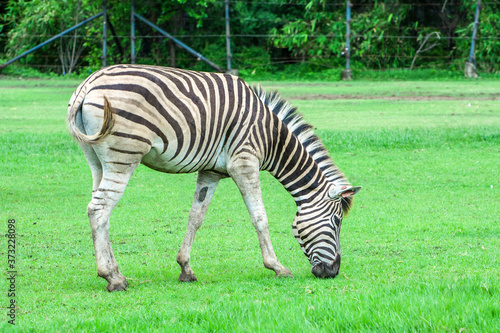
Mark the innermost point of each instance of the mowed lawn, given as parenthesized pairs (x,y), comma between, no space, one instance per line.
(420,249)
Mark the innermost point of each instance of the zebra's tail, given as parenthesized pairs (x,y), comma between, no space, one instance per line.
(108,121)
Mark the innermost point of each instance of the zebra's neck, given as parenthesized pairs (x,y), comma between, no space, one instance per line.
(297,157)
(294,167)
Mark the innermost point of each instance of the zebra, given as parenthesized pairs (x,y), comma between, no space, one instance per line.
(179,121)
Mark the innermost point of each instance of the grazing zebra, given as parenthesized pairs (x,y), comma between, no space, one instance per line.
(180,121)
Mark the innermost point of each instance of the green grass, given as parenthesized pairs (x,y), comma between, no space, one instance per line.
(467,88)
(420,249)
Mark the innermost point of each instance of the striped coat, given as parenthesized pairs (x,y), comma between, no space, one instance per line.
(179,121)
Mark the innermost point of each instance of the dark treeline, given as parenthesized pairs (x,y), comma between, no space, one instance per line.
(266,34)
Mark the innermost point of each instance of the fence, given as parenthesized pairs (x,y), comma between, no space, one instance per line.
(375,46)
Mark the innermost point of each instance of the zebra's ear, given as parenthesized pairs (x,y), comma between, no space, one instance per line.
(343,191)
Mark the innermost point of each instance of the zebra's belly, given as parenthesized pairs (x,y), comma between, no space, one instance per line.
(215,161)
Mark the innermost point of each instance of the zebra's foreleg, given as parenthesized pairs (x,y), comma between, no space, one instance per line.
(104,199)
(205,188)
(244,169)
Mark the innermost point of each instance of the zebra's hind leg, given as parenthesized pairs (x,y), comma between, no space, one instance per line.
(94,165)
(244,169)
(111,186)
(205,188)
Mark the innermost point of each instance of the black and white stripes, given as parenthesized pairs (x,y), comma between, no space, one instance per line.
(180,121)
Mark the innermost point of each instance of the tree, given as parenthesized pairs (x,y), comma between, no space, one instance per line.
(318,35)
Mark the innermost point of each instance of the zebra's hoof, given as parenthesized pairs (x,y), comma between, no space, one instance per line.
(117,286)
(285,273)
(187,277)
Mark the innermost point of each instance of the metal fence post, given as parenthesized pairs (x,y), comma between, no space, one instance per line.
(228,38)
(132,33)
(347,72)
(470,66)
(104,30)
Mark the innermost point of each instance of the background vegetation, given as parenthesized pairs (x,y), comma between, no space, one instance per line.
(421,247)
(267,35)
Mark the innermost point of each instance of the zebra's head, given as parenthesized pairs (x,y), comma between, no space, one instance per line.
(317,227)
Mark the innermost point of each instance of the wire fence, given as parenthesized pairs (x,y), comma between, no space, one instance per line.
(399,47)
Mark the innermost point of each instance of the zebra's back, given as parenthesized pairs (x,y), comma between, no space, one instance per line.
(179,121)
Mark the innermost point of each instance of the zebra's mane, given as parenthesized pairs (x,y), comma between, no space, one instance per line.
(295,122)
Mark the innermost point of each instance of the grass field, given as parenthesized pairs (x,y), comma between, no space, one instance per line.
(420,249)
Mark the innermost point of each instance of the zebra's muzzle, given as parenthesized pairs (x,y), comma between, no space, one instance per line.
(326,271)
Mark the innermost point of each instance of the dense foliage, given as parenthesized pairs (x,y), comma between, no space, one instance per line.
(267,35)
